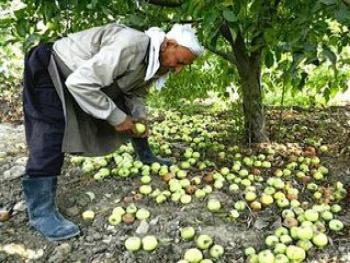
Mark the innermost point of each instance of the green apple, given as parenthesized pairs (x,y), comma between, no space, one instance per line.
(249,251)
(204,241)
(281,231)
(149,243)
(181,174)
(305,244)
(295,254)
(119,211)
(114,219)
(250,196)
(142,214)
(288,213)
(224,171)
(271,240)
(187,233)
(266,256)
(234,214)
(133,244)
(213,205)
(311,215)
(199,193)
(305,232)
(282,203)
(131,209)
(286,239)
(206,261)
(327,215)
(160,198)
(140,128)
(185,199)
(280,248)
(336,225)
(216,251)
(193,255)
(145,189)
(281,258)
(266,199)
(240,205)
(320,240)
(336,208)
(88,215)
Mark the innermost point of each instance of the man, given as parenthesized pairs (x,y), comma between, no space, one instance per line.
(83,95)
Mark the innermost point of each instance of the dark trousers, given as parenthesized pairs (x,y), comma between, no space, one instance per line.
(43,115)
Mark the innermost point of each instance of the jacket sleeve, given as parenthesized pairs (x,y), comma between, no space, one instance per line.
(86,82)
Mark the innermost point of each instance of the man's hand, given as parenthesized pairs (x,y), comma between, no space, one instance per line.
(128,126)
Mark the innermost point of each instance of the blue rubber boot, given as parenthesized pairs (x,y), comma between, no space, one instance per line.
(40,193)
(145,154)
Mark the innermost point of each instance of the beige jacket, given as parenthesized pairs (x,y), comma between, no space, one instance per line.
(101,81)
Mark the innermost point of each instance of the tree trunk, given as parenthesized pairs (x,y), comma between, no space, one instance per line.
(254,118)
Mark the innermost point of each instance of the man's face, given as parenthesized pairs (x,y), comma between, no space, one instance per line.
(174,57)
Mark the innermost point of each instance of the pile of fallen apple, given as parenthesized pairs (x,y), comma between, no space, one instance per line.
(288,178)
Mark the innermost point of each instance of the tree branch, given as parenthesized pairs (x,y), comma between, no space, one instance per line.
(166,3)
(228,56)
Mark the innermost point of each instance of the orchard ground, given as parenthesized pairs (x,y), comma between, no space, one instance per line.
(101,242)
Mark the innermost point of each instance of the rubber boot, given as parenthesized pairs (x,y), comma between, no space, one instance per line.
(145,154)
(40,193)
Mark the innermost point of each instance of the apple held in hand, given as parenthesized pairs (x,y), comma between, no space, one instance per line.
(140,128)
(133,244)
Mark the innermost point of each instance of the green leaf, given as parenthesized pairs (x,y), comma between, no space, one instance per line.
(229,15)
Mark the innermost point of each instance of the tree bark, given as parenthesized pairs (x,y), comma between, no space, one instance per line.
(254,117)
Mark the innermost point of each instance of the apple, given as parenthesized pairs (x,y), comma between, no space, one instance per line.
(255,205)
(128,218)
(311,215)
(193,255)
(185,199)
(281,231)
(218,184)
(224,171)
(283,202)
(216,251)
(181,174)
(290,222)
(288,213)
(234,213)
(336,208)
(286,239)
(250,196)
(142,214)
(149,243)
(249,251)
(145,189)
(305,232)
(131,209)
(269,190)
(199,193)
(243,173)
(88,215)
(160,198)
(320,240)
(114,219)
(295,254)
(280,248)
(281,258)
(140,128)
(206,261)
(327,215)
(213,205)
(133,244)
(187,233)
(271,240)
(204,241)
(240,205)
(305,244)
(266,256)
(335,225)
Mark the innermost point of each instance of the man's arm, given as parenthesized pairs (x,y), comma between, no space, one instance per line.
(86,82)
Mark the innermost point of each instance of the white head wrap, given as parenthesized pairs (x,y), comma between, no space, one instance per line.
(182,34)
